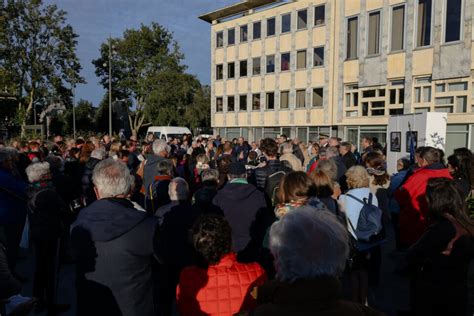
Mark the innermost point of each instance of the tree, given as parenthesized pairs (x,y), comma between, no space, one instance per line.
(85,114)
(37,55)
(138,57)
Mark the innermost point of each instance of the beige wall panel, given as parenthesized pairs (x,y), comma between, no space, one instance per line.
(219,56)
(300,79)
(255,119)
(351,71)
(319,36)
(219,119)
(231,54)
(270,46)
(285,45)
(230,89)
(242,86)
(243,119)
(243,51)
(269,118)
(219,88)
(256,84)
(317,117)
(269,83)
(301,40)
(461,118)
(381,120)
(284,117)
(422,62)
(230,119)
(396,65)
(352,7)
(374,4)
(256,48)
(285,81)
(300,117)
(393,2)
(317,77)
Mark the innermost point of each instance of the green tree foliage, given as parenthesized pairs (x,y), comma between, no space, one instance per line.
(85,114)
(37,55)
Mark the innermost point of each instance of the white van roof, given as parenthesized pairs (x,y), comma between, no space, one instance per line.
(170,129)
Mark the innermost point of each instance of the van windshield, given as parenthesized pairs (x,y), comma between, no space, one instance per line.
(180,136)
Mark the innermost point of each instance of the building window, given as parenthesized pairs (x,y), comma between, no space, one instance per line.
(284,99)
(453,20)
(301,59)
(423,90)
(319,15)
(302,19)
(257,30)
(231,70)
(219,72)
(256,66)
(285,61)
(398,28)
(286,23)
(318,97)
(231,37)
(243,102)
(243,68)
(300,98)
(352,30)
(374,33)
(318,59)
(243,33)
(271,27)
(423,24)
(219,39)
(256,102)
(270,100)
(270,64)
(230,104)
(219,104)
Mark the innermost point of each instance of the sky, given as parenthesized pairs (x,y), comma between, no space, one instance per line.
(94,20)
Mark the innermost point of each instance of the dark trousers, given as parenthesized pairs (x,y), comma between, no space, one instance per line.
(44,284)
(168,279)
(13,234)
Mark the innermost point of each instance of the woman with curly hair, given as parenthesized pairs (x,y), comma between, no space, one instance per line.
(220,285)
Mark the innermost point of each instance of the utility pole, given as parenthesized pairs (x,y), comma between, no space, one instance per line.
(110,86)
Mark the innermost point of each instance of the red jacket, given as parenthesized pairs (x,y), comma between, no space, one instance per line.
(413,206)
(222,289)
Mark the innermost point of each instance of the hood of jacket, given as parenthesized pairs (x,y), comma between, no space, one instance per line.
(91,163)
(108,219)
(237,191)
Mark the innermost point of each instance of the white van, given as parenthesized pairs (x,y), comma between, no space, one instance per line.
(167,132)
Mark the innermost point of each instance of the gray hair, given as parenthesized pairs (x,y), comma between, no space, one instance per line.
(37,170)
(329,167)
(112,178)
(332,152)
(160,145)
(164,167)
(178,190)
(287,148)
(98,153)
(210,175)
(308,244)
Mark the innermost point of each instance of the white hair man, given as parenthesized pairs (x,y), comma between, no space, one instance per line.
(310,248)
(160,152)
(332,153)
(113,240)
(288,156)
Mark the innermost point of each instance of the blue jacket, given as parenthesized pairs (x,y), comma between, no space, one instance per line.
(12,198)
(395,183)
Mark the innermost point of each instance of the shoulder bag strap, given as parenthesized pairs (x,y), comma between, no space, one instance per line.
(357,199)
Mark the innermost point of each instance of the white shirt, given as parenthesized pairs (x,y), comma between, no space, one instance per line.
(352,207)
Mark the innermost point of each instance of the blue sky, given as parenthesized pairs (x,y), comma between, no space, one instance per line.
(94,20)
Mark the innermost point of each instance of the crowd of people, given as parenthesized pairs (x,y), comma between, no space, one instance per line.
(200,226)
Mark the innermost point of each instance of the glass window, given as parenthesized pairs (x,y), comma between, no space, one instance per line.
(426,94)
(219,72)
(231,37)
(352,37)
(271,27)
(444,100)
(286,23)
(243,33)
(219,39)
(256,66)
(301,59)
(368,94)
(285,61)
(318,56)
(230,104)
(453,20)
(300,98)
(270,64)
(231,70)
(393,96)
(318,97)
(423,24)
(257,30)
(256,102)
(417,95)
(270,100)
(302,133)
(440,87)
(284,99)
(243,68)
(302,19)
(319,13)
(457,86)
(461,104)
(374,33)
(401,96)
(219,104)
(398,27)
(243,102)
(456,137)
(444,109)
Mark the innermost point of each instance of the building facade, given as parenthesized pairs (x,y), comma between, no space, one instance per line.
(341,67)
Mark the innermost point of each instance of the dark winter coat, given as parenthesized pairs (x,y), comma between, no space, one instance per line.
(150,170)
(240,204)
(87,185)
(349,159)
(9,286)
(320,297)
(12,198)
(113,243)
(260,175)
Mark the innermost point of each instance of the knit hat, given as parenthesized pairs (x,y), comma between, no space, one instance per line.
(237,169)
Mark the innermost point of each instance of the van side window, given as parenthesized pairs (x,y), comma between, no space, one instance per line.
(163,136)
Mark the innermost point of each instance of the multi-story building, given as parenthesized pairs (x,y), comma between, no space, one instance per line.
(341,67)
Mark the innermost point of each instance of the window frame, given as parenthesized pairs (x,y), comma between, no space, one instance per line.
(242,33)
(259,101)
(312,98)
(228,31)
(217,39)
(266,64)
(415,33)
(324,56)
(304,98)
(305,59)
(217,72)
(314,15)
(228,72)
(267,100)
(274,27)
(230,97)
(253,30)
(281,21)
(281,61)
(357,17)
(461,26)
(259,66)
(222,104)
(392,8)
(298,28)
(288,99)
(379,11)
(246,68)
(240,102)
